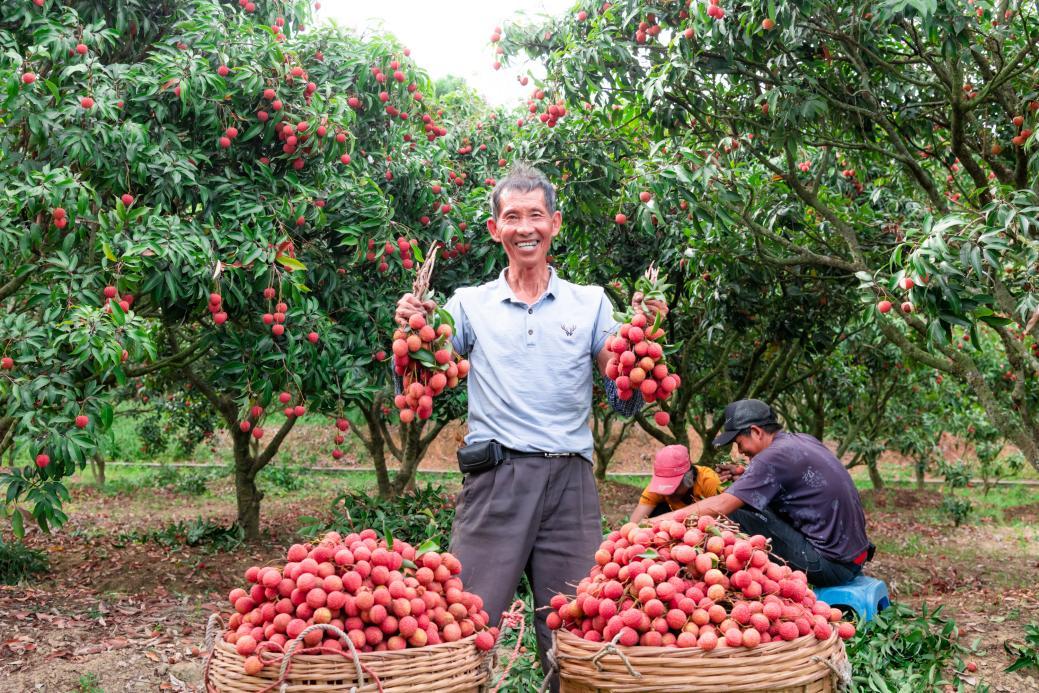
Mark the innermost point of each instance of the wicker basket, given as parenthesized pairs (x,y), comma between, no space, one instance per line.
(804,665)
(456,667)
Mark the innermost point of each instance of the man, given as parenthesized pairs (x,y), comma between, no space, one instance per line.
(532,339)
(794,491)
(676,483)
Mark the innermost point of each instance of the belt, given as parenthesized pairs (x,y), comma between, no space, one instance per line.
(510,453)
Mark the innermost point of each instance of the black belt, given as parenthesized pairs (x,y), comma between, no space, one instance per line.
(510,453)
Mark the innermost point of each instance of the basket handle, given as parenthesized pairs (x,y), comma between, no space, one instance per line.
(295,647)
(212,622)
(607,648)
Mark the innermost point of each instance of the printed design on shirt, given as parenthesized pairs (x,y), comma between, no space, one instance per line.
(812,478)
(568,329)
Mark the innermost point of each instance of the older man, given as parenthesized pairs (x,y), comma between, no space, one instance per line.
(533,341)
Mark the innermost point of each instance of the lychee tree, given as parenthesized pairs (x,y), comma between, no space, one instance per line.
(882,143)
(242,201)
(739,327)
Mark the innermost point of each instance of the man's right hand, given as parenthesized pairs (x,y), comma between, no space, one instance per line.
(409,305)
(730,472)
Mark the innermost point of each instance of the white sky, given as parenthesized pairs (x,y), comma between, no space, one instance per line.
(450,37)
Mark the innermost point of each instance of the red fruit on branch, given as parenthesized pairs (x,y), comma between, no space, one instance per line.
(28,78)
(884,306)
(6,363)
(42,460)
(82,420)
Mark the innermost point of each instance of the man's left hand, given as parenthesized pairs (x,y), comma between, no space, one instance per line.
(652,307)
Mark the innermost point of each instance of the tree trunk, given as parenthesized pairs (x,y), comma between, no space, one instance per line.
(874,473)
(248,496)
(921,469)
(97,466)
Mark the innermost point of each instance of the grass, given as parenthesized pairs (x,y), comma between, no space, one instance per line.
(88,683)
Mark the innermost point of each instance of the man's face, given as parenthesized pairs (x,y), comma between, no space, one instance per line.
(524,227)
(686,485)
(752,441)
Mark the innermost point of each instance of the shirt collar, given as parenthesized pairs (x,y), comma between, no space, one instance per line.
(503,292)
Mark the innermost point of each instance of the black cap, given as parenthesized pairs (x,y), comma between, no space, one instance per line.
(741,415)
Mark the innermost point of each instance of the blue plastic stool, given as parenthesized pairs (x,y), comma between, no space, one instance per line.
(863,595)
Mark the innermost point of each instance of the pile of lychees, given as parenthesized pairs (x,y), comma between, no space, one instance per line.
(637,362)
(701,584)
(381,597)
(423,356)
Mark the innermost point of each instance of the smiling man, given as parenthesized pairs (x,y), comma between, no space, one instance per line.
(534,341)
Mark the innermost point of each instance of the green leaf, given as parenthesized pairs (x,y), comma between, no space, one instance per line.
(996,321)
(17,525)
(425,357)
(427,546)
(291,262)
(107,414)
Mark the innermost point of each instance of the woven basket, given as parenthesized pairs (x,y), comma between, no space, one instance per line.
(455,667)
(804,665)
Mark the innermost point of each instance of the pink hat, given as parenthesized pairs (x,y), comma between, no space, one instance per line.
(670,465)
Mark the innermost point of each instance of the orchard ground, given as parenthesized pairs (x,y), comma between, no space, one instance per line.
(125,603)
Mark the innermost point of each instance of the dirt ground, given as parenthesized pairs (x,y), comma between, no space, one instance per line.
(116,615)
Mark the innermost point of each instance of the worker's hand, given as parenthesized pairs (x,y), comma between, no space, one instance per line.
(409,305)
(651,307)
(730,472)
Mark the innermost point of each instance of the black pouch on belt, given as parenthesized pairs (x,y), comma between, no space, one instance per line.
(479,457)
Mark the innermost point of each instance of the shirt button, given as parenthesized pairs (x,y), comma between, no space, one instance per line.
(530,331)
(530,311)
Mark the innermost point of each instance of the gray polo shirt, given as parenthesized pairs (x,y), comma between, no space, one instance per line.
(531,366)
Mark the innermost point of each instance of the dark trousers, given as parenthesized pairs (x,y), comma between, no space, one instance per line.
(538,515)
(794,547)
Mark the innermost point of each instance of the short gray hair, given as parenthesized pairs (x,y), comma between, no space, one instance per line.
(524,178)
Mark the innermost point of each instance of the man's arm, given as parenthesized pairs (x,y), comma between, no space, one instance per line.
(640,513)
(722,504)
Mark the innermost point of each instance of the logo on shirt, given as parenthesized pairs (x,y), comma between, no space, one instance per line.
(568,329)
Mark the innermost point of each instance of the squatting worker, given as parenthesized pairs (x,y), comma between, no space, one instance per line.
(676,483)
(532,340)
(794,491)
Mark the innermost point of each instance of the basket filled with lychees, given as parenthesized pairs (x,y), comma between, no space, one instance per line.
(353,612)
(694,606)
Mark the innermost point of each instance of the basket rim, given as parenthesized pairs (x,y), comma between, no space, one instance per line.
(773,647)
(364,656)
